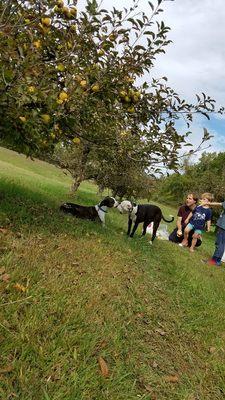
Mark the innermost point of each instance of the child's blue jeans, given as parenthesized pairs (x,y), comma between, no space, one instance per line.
(220,245)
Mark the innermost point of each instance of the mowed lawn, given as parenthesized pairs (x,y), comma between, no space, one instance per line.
(88,314)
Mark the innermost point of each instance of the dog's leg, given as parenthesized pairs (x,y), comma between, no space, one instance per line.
(134,228)
(129,226)
(155,227)
(145,224)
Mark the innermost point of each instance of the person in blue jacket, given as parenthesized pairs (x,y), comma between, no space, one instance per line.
(220,237)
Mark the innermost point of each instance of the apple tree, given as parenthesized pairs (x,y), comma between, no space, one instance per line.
(71,78)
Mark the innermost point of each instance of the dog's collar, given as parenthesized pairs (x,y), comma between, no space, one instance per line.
(131,210)
(100,208)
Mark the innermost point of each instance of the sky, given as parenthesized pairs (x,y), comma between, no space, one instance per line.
(195,60)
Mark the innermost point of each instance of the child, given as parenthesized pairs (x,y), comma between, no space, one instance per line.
(220,237)
(197,219)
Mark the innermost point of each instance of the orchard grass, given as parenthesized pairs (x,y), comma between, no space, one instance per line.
(73,291)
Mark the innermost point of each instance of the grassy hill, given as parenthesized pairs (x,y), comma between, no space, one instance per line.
(88,314)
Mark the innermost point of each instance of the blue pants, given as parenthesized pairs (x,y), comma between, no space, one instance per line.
(220,245)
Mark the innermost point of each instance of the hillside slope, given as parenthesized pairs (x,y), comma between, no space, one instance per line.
(88,314)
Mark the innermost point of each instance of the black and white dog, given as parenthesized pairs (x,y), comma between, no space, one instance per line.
(145,213)
(90,212)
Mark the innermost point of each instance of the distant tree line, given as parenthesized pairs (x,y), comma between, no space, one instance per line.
(208,175)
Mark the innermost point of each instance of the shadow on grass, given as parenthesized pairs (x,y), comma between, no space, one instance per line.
(23,209)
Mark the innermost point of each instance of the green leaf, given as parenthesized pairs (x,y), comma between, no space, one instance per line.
(151,5)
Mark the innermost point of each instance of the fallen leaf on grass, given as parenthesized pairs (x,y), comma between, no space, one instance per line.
(2,270)
(7,369)
(140,315)
(5,277)
(12,395)
(212,350)
(172,378)
(4,231)
(75,263)
(18,235)
(20,288)
(150,390)
(154,364)
(161,332)
(103,367)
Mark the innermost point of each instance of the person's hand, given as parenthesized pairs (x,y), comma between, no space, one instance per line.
(179,233)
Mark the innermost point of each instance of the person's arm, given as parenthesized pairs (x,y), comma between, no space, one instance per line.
(179,225)
(179,221)
(215,204)
(208,220)
(188,218)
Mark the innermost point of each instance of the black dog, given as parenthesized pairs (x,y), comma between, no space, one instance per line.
(145,213)
(90,212)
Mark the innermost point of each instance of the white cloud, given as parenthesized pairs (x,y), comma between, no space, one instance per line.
(194,62)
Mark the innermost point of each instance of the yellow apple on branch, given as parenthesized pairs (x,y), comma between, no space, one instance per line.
(63,96)
(37,44)
(73,11)
(46,118)
(101,52)
(83,83)
(60,3)
(23,119)
(31,89)
(52,135)
(46,21)
(131,109)
(76,140)
(95,88)
(60,67)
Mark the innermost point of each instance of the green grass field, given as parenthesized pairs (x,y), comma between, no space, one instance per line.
(74,293)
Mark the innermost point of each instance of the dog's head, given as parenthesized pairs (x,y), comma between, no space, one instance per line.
(125,207)
(109,202)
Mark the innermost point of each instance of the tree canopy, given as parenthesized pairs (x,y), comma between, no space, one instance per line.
(70,78)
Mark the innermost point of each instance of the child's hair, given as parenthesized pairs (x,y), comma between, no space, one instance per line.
(208,196)
(194,195)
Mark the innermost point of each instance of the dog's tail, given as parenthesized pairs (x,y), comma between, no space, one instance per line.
(166,220)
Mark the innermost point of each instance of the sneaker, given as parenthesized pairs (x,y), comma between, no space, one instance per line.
(211,261)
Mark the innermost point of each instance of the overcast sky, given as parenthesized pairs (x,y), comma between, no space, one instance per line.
(195,61)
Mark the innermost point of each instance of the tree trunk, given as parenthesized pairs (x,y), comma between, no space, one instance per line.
(80,172)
